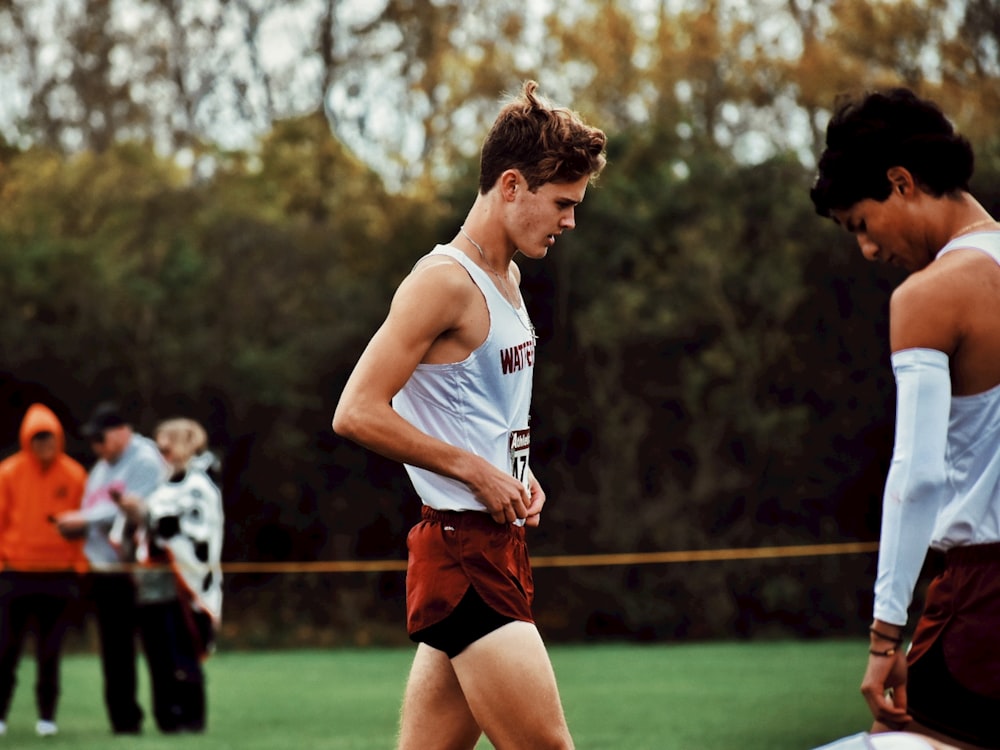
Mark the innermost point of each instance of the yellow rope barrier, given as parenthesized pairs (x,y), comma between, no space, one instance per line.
(570,561)
(542,561)
(322,566)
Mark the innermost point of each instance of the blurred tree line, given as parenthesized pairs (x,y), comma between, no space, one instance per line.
(713,364)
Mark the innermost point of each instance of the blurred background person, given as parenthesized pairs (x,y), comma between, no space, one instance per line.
(127,463)
(178,534)
(41,569)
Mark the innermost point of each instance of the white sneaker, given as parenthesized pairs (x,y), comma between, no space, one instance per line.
(3,728)
(46,728)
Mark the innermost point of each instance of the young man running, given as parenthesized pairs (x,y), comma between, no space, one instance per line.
(455,358)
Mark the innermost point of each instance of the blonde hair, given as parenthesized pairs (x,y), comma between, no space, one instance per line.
(186,437)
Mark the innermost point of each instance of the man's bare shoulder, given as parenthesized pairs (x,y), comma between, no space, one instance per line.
(968,265)
(439,270)
(933,306)
(951,278)
(437,285)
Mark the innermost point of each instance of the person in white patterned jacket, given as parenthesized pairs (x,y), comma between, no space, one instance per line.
(177,532)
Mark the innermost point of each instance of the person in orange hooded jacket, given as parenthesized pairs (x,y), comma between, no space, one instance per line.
(41,569)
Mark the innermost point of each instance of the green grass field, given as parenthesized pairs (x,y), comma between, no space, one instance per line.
(729,696)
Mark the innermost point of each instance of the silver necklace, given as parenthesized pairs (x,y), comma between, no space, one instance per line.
(504,291)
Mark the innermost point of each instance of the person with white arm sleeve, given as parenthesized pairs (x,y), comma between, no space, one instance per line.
(895,174)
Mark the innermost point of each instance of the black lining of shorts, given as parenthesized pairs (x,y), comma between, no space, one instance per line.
(471,619)
(954,710)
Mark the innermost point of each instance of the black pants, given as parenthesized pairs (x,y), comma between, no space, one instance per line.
(113,596)
(45,599)
(173,646)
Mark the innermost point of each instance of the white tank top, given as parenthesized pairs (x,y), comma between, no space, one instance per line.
(971,514)
(480,404)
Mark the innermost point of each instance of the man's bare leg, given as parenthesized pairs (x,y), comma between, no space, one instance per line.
(510,687)
(435,713)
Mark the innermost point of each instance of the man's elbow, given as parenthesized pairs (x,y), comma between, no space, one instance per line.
(927,488)
(346,422)
(341,423)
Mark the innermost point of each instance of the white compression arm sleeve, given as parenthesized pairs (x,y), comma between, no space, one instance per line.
(915,486)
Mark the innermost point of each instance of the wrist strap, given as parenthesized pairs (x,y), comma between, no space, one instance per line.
(885,636)
(887,652)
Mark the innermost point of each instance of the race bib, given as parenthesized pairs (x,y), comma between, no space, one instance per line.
(520,446)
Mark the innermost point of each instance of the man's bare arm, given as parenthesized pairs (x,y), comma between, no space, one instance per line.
(429,304)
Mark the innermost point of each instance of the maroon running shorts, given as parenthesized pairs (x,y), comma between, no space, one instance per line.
(450,551)
(953,684)
(963,610)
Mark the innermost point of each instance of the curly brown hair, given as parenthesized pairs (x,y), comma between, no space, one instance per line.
(544,143)
(871,133)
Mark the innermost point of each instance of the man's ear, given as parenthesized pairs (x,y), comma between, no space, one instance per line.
(508,183)
(901,180)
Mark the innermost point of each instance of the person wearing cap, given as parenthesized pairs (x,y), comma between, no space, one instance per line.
(41,570)
(127,464)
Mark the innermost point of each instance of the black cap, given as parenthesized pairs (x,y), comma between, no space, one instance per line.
(104,417)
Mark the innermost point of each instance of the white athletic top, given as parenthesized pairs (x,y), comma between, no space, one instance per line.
(972,513)
(186,520)
(480,404)
(943,487)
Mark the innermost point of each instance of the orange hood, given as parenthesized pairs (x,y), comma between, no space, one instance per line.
(31,495)
(40,418)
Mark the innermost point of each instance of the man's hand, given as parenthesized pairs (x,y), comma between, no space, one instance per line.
(71,524)
(534,516)
(133,508)
(505,498)
(884,686)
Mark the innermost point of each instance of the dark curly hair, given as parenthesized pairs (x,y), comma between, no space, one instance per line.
(544,143)
(895,128)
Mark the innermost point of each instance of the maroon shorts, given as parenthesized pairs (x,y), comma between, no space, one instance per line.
(451,551)
(953,684)
(963,612)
